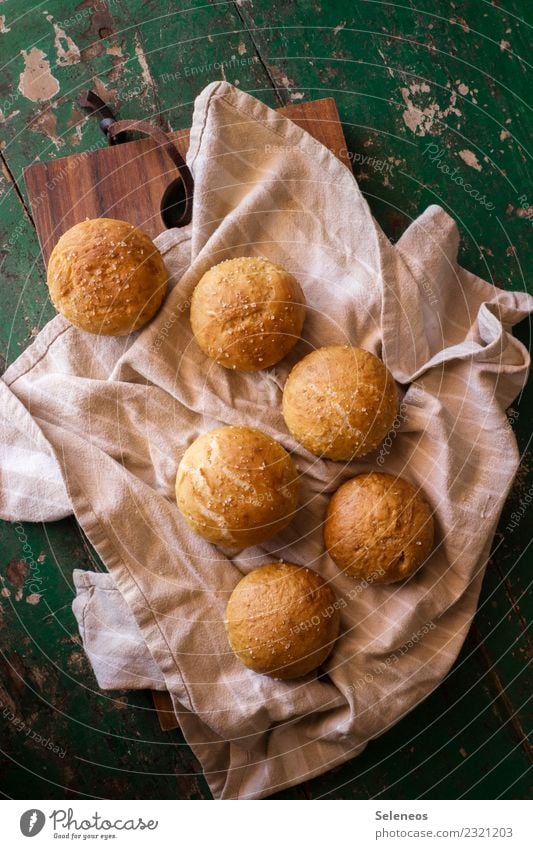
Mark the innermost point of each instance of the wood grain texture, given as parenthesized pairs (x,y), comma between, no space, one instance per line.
(165,710)
(128,180)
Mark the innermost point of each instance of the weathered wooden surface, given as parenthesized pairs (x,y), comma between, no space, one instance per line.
(404,77)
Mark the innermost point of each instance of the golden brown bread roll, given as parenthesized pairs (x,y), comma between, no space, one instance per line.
(236,486)
(106,276)
(247,313)
(282,620)
(339,402)
(378,528)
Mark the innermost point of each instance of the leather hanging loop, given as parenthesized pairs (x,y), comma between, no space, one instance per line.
(113,128)
(170,149)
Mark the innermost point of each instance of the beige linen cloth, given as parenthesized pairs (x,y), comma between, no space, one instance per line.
(97,426)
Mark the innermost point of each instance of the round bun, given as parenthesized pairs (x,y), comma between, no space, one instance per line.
(236,486)
(282,620)
(340,402)
(106,276)
(247,313)
(378,528)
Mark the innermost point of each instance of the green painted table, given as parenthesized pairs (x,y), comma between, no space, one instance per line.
(419,85)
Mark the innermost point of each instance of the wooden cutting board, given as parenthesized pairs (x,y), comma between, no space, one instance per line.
(128,181)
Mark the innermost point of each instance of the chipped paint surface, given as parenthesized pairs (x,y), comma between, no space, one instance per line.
(68,54)
(45,123)
(16,571)
(462,23)
(108,94)
(36,81)
(77,135)
(470,158)
(426,119)
(3,27)
(386,63)
(281,77)
(145,70)
(33,598)
(5,698)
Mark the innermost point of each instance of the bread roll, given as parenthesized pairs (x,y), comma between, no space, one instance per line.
(378,528)
(106,276)
(339,402)
(282,620)
(247,313)
(236,486)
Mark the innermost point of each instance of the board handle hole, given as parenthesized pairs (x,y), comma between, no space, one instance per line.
(173,205)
